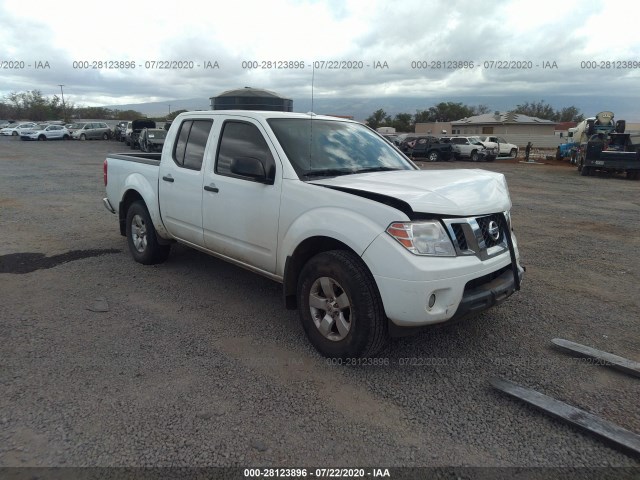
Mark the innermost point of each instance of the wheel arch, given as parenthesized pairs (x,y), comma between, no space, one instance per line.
(300,256)
(128,198)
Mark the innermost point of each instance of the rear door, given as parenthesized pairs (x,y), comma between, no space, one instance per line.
(180,181)
(240,215)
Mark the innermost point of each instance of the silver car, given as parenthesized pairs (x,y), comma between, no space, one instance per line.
(92,131)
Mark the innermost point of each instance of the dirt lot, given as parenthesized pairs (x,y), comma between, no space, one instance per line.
(197,363)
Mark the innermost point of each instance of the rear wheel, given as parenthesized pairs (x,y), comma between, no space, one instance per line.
(42,138)
(142,238)
(14,133)
(65,137)
(433,156)
(474,156)
(585,171)
(105,136)
(340,306)
(83,137)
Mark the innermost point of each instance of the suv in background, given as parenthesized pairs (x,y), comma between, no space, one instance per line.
(92,131)
(133,131)
(506,148)
(468,147)
(431,148)
(120,130)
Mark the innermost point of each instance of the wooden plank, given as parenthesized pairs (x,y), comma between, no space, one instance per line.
(608,359)
(629,441)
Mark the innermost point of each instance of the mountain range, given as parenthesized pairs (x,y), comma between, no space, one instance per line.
(361,108)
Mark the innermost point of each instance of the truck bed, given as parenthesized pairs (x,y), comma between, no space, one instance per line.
(140,157)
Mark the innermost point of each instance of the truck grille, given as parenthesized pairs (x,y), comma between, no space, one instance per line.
(484,236)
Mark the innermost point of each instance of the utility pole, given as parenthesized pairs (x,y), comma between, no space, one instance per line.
(64,108)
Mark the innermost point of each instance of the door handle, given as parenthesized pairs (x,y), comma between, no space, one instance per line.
(168,179)
(211,189)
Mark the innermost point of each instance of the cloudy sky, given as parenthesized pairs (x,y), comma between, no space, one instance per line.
(406,38)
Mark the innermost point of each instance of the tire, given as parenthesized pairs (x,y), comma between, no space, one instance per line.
(585,171)
(66,137)
(433,156)
(633,174)
(83,137)
(14,134)
(558,154)
(105,136)
(621,125)
(354,324)
(141,236)
(474,156)
(513,153)
(42,138)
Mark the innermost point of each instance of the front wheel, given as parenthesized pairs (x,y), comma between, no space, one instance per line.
(433,156)
(142,238)
(83,137)
(474,156)
(105,136)
(42,138)
(513,153)
(340,307)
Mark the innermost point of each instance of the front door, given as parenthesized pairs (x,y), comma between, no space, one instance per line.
(240,215)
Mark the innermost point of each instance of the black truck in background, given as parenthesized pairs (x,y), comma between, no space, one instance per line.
(614,153)
(430,148)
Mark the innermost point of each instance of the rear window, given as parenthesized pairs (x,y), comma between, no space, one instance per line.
(191,142)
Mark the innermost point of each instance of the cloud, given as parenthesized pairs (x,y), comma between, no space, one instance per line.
(435,34)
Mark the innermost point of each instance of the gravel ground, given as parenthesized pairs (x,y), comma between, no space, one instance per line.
(194,362)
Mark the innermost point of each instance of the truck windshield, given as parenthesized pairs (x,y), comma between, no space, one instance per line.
(331,148)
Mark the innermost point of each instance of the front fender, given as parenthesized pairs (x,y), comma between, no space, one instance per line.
(348,227)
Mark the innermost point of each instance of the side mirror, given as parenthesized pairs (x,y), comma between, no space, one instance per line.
(250,167)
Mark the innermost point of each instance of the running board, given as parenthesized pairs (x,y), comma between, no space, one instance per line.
(620,363)
(602,428)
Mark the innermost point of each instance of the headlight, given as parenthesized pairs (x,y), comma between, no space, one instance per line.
(422,238)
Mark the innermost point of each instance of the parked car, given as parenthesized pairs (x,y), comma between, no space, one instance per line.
(120,130)
(152,139)
(493,149)
(506,148)
(92,131)
(133,131)
(45,132)
(407,143)
(15,130)
(468,147)
(431,148)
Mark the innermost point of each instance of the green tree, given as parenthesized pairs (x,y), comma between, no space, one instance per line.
(379,118)
(173,115)
(569,114)
(127,115)
(536,109)
(402,122)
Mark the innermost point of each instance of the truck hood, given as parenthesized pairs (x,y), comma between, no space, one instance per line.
(443,192)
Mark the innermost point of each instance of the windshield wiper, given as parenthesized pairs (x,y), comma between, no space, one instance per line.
(376,169)
(327,172)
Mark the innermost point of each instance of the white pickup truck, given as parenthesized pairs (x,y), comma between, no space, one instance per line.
(365,243)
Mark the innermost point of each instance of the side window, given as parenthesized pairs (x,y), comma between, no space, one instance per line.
(191,142)
(241,139)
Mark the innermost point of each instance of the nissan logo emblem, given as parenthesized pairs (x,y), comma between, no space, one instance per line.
(494,231)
